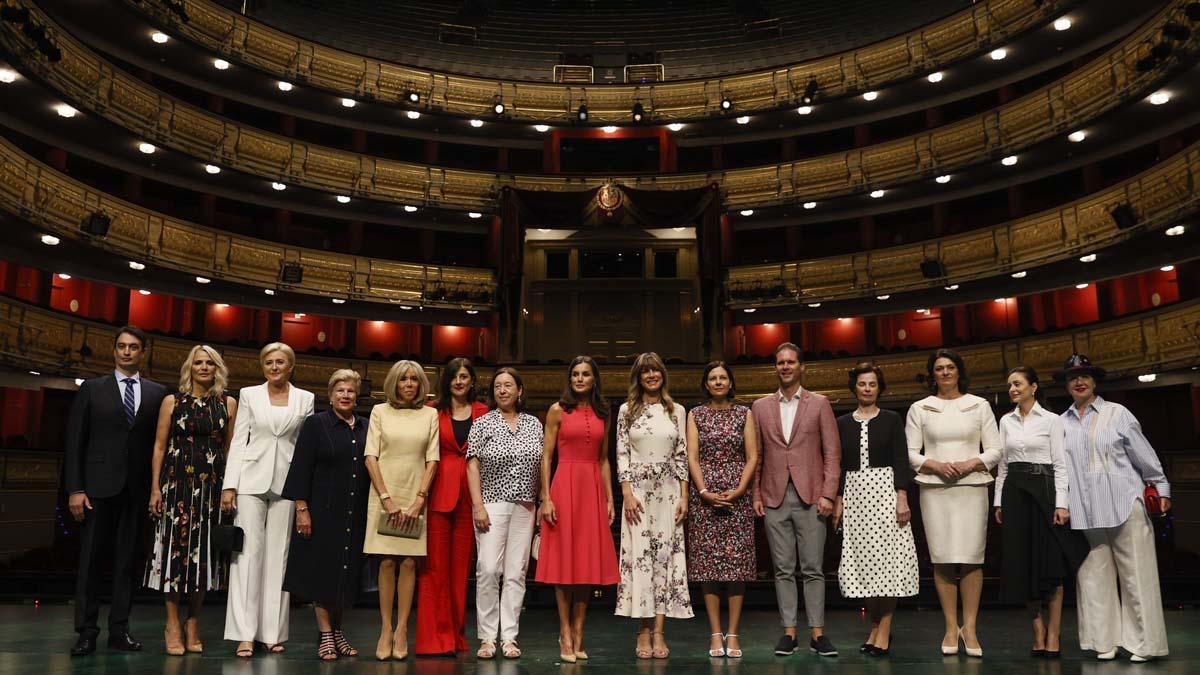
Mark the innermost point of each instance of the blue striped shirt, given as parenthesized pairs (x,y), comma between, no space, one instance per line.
(1109,461)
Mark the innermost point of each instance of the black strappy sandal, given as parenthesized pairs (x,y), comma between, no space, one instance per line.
(326,651)
(343,645)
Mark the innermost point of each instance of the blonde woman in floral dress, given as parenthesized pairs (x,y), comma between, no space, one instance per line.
(652,469)
(187,468)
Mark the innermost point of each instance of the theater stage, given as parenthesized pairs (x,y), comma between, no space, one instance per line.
(35,640)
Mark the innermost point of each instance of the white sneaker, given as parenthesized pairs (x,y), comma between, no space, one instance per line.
(1107,656)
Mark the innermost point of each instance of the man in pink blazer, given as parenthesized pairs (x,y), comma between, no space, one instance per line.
(794,488)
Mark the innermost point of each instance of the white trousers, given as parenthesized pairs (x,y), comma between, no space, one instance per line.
(503,551)
(1132,617)
(258,607)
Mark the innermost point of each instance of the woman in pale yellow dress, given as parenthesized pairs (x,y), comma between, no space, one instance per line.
(401,456)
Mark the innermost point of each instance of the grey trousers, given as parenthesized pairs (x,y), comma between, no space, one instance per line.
(796,535)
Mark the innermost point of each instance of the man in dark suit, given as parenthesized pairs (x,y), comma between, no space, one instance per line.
(110,438)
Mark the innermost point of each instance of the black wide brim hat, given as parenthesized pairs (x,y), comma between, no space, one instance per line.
(1078,364)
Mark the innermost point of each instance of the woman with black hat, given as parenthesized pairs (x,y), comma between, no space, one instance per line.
(1040,549)
(1109,463)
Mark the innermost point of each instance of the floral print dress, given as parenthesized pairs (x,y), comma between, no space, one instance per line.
(721,540)
(652,458)
(184,559)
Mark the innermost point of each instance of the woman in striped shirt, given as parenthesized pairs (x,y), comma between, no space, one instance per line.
(1109,462)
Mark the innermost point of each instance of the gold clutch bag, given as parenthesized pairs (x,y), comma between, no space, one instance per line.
(411,531)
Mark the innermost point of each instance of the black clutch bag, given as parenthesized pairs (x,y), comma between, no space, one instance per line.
(228,538)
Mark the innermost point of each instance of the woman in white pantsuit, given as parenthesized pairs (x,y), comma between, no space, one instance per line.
(264,438)
(954,474)
(504,457)
(1109,463)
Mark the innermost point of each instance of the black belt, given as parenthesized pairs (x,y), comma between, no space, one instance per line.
(1031,468)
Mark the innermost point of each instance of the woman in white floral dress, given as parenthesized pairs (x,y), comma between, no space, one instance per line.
(652,469)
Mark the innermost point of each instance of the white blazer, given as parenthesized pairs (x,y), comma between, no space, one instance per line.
(260,453)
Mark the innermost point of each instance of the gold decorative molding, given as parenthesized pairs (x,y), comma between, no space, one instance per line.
(39,194)
(1161,194)
(293,58)
(1082,95)
(1166,338)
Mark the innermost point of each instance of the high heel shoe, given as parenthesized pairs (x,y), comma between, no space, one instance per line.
(951,651)
(882,651)
(174,650)
(976,652)
(717,653)
(191,636)
(566,657)
(383,653)
(399,648)
(733,653)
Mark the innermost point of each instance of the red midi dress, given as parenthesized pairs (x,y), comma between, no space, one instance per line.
(578,548)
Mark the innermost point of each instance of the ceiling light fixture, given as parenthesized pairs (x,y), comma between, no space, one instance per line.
(876,194)
(814,305)
(284,86)
(885,296)
(409,208)
(1009,161)
(1081,286)
(726,104)
(136,266)
(1160,97)
(943,179)
(143,291)
(870,96)
(498,107)
(609,129)
(744,119)
(638,112)
(746,212)
(935,77)
(160,38)
(338,301)
(999,54)
(1147,378)
(7,75)
(50,240)
(675,126)
(343,199)
(65,110)
(750,310)
(212,169)
(1077,136)
(203,280)
(810,205)
(413,115)
(1000,300)
(1091,257)
(541,128)
(952,287)
(278,187)
(810,92)
(1062,23)
(581,113)
(349,103)
(1167,268)
(472,311)
(476,123)
(805,110)
(1174,231)
(414,97)
(146,148)
(64,277)
(269,291)
(1020,275)
(220,64)
(473,215)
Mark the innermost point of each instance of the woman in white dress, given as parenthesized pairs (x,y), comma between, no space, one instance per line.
(879,557)
(260,454)
(951,426)
(653,472)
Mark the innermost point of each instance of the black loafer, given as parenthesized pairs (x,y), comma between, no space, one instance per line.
(786,646)
(85,645)
(822,647)
(124,642)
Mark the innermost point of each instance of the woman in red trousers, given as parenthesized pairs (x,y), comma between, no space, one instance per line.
(442,583)
(577,550)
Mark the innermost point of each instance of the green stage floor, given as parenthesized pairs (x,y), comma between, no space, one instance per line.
(35,640)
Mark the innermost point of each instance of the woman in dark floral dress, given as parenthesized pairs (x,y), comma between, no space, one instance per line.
(722,456)
(185,492)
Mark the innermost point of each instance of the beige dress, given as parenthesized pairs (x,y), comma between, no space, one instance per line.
(402,439)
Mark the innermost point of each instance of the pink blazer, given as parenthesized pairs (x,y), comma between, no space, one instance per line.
(811,460)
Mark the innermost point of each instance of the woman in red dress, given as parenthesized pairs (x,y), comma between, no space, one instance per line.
(576,516)
(442,584)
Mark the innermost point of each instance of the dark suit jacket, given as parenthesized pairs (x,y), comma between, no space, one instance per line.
(103,453)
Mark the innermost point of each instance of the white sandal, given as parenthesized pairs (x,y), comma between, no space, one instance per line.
(733,653)
(717,653)
(487,650)
(510,649)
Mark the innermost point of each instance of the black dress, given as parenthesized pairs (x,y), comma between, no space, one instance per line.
(328,472)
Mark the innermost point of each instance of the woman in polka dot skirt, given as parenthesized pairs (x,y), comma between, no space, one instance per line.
(879,557)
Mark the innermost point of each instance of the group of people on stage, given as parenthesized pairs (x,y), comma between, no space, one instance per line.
(295,500)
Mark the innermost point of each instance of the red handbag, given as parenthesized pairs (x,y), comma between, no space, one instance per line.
(1153,502)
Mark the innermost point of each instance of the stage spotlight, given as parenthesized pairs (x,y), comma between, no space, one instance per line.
(413,97)
(726,103)
(581,113)
(498,107)
(1176,31)
(810,91)
(639,112)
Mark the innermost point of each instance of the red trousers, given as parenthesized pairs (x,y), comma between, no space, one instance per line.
(442,581)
